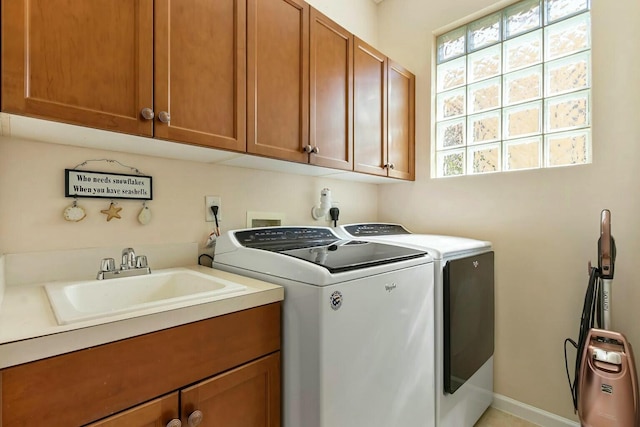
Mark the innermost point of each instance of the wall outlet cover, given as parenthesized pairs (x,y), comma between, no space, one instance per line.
(210,201)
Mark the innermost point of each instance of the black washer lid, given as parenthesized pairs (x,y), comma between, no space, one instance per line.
(321,246)
(348,255)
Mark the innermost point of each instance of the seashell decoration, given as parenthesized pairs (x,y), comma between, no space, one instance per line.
(144,217)
(74,213)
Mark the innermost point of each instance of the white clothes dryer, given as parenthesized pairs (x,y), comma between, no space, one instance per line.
(358,324)
(464,317)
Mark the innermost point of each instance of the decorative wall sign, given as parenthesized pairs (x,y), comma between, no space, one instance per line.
(107,185)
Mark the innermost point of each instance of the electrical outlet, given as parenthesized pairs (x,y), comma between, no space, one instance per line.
(212,201)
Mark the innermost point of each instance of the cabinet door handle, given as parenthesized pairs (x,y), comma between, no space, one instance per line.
(164,117)
(308,149)
(174,423)
(315,150)
(195,418)
(147,113)
(392,166)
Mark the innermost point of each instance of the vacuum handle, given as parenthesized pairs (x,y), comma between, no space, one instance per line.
(605,304)
(605,250)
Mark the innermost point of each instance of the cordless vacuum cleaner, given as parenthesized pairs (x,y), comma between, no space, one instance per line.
(605,389)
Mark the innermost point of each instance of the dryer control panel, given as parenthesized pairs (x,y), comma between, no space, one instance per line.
(378,229)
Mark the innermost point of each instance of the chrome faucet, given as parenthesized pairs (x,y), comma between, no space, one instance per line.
(128,259)
(131,265)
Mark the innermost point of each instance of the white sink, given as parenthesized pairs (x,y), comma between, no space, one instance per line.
(171,288)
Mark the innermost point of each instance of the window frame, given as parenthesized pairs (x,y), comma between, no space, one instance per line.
(454,129)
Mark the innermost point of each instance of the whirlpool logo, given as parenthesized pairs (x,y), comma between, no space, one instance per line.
(335,300)
(390,287)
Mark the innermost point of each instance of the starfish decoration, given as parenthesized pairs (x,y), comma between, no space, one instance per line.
(112,212)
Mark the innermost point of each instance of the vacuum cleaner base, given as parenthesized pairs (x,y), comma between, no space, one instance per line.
(608,389)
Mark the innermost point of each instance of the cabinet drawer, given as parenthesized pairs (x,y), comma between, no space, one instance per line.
(158,413)
(79,387)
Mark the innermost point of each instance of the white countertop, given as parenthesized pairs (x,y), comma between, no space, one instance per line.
(29,330)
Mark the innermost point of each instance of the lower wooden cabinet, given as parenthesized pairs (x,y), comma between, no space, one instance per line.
(160,412)
(227,367)
(248,396)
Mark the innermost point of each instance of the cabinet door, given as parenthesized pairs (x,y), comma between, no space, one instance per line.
(331,93)
(370,110)
(82,386)
(278,78)
(400,122)
(248,396)
(157,413)
(200,72)
(84,62)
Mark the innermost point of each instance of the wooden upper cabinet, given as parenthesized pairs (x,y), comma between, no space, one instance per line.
(370,106)
(278,78)
(246,396)
(331,93)
(200,72)
(400,122)
(83,62)
(274,78)
(156,413)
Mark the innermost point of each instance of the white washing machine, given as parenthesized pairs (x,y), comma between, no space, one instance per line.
(464,317)
(358,325)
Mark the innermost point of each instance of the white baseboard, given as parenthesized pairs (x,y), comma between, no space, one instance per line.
(530,413)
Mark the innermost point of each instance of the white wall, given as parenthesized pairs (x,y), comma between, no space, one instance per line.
(544,223)
(32,199)
(32,186)
(2,278)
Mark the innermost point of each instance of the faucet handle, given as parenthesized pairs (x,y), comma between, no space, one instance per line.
(141,262)
(108,264)
(128,259)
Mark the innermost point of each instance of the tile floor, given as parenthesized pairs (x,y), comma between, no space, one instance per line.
(494,418)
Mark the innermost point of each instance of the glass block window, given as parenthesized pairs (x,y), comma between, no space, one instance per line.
(513,90)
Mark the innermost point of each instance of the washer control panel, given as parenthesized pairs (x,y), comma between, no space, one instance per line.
(285,236)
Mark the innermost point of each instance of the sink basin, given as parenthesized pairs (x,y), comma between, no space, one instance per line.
(171,288)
